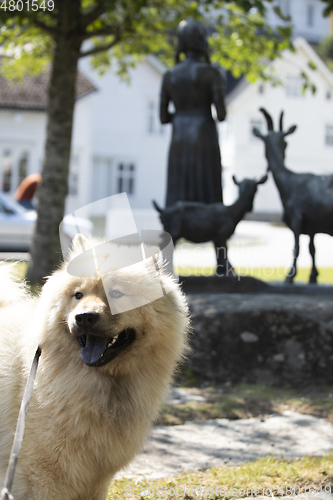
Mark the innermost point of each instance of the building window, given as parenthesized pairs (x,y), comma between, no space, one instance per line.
(151,117)
(14,168)
(73,177)
(153,124)
(126,178)
(73,184)
(328,95)
(329,135)
(310,16)
(7,170)
(23,166)
(261,88)
(102,182)
(294,86)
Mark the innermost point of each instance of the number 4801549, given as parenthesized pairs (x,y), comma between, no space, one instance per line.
(27,5)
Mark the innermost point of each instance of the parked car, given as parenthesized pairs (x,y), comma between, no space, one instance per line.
(17,225)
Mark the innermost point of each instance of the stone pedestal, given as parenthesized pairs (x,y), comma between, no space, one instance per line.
(261,337)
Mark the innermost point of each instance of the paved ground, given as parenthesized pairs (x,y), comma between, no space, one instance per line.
(197,445)
(259,244)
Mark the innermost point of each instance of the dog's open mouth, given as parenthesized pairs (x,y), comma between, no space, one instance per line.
(98,351)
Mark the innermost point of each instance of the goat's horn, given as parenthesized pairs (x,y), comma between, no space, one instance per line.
(158,208)
(268,119)
(263,179)
(281,122)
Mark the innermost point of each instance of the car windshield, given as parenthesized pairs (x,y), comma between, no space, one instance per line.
(12,204)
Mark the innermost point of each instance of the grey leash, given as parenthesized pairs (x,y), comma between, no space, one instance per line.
(5,492)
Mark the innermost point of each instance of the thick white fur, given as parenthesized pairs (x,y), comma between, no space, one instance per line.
(83,423)
(10,289)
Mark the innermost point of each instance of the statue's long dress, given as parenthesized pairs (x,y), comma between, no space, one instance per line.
(194,165)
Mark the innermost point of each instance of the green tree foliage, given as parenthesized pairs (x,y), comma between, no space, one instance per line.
(326,47)
(325,50)
(329,7)
(115,33)
(127,30)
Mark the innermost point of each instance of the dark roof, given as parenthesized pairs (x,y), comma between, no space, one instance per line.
(232,82)
(235,86)
(243,84)
(32,92)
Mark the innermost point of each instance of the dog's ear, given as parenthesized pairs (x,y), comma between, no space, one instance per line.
(79,243)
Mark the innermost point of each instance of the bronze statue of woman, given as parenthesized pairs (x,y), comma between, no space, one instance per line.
(193,85)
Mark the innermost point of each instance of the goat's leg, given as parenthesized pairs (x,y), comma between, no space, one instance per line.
(314,272)
(221,257)
(224,268)
(229,269)
(296,230)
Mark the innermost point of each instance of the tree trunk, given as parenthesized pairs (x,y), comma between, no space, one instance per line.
(45,250)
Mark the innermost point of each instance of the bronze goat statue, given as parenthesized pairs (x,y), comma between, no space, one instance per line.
(307,199)
(216,222)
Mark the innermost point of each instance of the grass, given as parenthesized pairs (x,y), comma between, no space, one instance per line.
(269,476)
(19,268)
(263,273)
(249,400)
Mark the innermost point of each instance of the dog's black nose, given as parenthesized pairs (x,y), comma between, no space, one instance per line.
(86,320)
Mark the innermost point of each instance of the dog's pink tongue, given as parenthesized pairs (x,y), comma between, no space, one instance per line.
(93,350)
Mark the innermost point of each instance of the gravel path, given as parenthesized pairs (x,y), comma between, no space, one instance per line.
(198,445)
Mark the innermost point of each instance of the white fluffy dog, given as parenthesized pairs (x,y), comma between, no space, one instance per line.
(100,382)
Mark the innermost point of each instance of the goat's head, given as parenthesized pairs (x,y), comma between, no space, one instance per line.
(167,215)
(247,188)
(274,136)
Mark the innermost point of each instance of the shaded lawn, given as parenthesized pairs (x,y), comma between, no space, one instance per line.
(276,476)
(263,273)
(19,268)
(249,400)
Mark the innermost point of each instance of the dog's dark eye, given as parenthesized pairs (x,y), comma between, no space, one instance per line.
(78,295)
(115,294)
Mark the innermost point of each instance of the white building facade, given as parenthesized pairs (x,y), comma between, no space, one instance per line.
(23,132)
(22,149)
(129,146)
(119,144)
(307,17)
(310,148)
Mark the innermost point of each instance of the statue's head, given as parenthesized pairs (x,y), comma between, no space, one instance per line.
(192,37)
